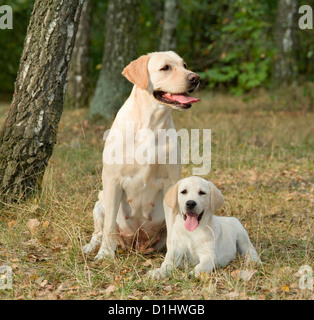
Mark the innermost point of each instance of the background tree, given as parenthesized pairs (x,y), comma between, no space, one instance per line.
(171,14)
(122,21)
(29,133)
(285,35)
(78,86)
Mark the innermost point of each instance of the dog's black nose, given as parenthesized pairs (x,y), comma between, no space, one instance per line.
(193,78)
(190,204)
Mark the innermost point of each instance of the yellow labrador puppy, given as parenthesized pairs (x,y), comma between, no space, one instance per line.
(130,206)
(194,231)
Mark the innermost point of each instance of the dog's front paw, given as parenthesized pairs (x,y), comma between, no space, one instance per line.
(105,253)
(89,248)
(159,273)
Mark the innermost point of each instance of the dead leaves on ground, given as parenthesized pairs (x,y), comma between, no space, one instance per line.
(244,275)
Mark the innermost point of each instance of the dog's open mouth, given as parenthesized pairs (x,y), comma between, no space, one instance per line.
(180,100)
(192,220)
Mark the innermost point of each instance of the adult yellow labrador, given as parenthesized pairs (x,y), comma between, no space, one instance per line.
(130,206)
(194,231)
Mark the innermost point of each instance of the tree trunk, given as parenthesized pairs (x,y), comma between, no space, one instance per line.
(285,35)
(29,132)
(78,86)
(112,88)
(171,14)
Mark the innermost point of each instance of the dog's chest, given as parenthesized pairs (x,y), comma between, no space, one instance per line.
(141,216)
(192,244)
(143,194)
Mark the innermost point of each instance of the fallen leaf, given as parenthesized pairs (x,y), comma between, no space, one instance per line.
(92,293)
(43,283)
(56,248)
(52,296)
(233,295)
(148,263)
(33,277)
(11,223)
(284,288)
(245,275)
(111,288)
(33,242)
(32,225)
(45,224)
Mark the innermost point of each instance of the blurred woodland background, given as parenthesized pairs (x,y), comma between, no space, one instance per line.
(235,45)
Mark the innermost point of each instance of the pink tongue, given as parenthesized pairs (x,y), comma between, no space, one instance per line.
(191,221)
(181,98)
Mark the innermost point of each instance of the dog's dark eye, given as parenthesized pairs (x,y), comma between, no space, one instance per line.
(201,193)
(184,65)
(184,191)
(165,68)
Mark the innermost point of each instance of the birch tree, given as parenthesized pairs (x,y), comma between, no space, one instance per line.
(30,130)
(122,20)
(171,14)
(285,35)
(78,86)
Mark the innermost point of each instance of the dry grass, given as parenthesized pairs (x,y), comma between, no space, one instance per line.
(262,160)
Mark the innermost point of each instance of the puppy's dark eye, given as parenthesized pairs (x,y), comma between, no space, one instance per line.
(165,68)
(201,193)
(184,191)
(184,65)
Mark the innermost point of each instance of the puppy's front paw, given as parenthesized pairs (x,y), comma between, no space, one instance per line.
(194,273)
(159,273)
(198,270)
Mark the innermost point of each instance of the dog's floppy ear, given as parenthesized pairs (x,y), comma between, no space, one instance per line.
(171,198)
(216,198)
(136,72)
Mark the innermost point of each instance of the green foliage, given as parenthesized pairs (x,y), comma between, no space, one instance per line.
(245,48)
(99,9)
(11,42)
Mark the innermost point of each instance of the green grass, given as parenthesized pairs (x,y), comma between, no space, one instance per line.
(262,160)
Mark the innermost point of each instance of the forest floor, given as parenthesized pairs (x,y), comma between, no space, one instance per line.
(262,161)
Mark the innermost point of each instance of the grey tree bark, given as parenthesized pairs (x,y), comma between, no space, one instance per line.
(285,36)
(171,14)
(78,85)
(112,88)
(30,130)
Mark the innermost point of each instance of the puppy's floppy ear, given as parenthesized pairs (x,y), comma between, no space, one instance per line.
(171,198)
(137,73)
(216,198)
